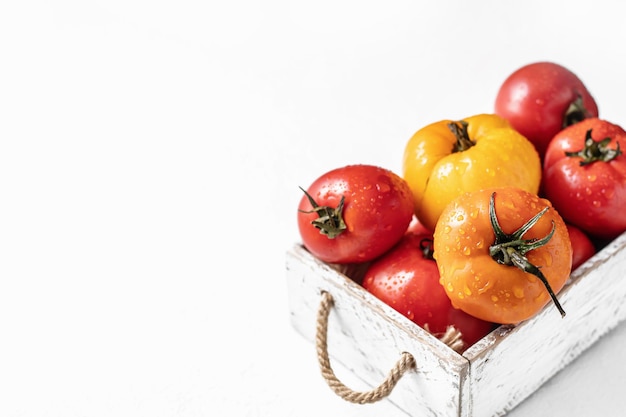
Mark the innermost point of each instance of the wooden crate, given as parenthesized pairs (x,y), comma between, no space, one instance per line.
(488,379)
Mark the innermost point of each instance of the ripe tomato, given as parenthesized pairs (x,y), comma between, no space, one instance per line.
(418,228)
(354,213)
(585,177)
(502,254)
(407,279)
(447,158)
(541,98)
(582,247)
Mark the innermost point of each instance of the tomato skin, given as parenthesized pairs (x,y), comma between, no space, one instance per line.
(408,281)
(473,280)
(582,246)
(437,174)
(591,197)
(377,210)
(416,227)
(535,99)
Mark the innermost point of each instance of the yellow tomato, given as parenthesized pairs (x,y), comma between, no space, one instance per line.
(447,158)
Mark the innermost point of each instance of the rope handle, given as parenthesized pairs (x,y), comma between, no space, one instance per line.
(404,364)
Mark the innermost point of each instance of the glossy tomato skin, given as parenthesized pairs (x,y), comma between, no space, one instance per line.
(582,246)
(437,173)
(377,210)
(591,197)
(408,281)
(473,280)
(536,97)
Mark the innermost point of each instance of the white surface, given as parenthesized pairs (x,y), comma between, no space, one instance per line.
(149,164)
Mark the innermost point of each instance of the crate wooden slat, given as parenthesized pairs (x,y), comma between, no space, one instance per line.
(491,377)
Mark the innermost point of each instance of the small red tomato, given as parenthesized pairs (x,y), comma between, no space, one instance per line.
(582,246)
(541,98)
(584,176)
(354,213)
(407,279)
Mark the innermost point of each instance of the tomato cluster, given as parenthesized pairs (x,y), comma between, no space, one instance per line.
(490,214)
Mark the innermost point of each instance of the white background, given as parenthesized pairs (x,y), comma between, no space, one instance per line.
(150,158)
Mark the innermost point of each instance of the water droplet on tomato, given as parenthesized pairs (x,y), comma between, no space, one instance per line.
(410,315)
(383,187)
(447,229)
(450,287)
(485,287)
(518,292)
(539,102)
(467,291)
(466,250)
(596,203)
(494,298)
(474,213)
(588,190)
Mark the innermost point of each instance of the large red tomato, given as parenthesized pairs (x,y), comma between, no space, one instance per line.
(584,176)
(541,98)
(354,213)
(407,279)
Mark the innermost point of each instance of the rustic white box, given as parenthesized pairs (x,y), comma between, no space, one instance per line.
(488,379)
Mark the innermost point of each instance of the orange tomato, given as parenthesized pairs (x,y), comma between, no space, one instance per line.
(502,254)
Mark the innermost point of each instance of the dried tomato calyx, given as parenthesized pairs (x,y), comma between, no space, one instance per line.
(426,246)
(576,112)
(463,141)
(330,221)
(595,151)
(511,249)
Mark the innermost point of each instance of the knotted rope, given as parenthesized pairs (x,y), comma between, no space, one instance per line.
(405,363)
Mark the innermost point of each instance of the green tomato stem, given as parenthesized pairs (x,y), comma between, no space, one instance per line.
(463,141)
(595,151)
(330,221)
(576,112)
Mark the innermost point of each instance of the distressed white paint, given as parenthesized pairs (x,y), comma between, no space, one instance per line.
(491,377)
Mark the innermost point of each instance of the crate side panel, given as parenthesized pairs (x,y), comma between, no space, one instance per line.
(367,337)
(519,359)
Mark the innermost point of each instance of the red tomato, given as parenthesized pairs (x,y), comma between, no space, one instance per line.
(354,214)
(582,247)
(542,98)
(584,176)
(418,228)
(407,279)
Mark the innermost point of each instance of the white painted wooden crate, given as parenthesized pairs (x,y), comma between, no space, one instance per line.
(488,379)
